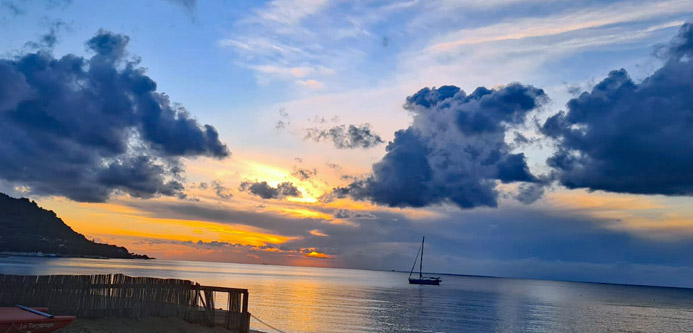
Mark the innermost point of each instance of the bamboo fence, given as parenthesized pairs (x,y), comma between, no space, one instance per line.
(118,295)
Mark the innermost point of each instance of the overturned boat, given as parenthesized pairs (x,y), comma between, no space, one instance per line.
(25,319)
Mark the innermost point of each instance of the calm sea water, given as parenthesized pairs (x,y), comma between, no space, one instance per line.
(303,299)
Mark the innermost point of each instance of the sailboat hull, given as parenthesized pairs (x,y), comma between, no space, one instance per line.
(429,281)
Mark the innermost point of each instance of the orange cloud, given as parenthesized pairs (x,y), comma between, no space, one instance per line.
(580,199)
(314,254)
(305,213)
(316,232)
(645,216)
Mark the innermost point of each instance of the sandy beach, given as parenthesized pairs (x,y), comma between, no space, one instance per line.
(149,324)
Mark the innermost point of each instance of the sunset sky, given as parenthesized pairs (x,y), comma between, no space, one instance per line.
(523,138)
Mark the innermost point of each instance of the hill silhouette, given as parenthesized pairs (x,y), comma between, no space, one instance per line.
(26,227)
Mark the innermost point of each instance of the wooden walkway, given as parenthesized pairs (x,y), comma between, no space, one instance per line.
(118,295)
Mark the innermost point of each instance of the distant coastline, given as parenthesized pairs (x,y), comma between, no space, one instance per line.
(40,254)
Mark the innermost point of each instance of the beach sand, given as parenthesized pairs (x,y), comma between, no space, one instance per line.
(149,324)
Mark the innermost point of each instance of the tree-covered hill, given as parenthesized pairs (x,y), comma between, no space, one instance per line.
(26,227)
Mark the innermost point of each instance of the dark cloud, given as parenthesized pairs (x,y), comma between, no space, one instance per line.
(347,214)
(334,166)
(574,90)
(454,151)
(304,174)
(50,38)
(11,7)
(265,191)
(86,127)
(284,120)
(529,192)
(342,214)
(521,141)
(631,137)
(139,176)
(343,137)
(681,46)
(318,120)
(385,42)
(221,191)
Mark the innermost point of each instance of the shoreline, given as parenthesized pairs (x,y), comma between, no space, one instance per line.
(39,254)
(146,324)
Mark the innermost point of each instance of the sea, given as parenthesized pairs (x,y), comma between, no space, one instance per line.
(308,299)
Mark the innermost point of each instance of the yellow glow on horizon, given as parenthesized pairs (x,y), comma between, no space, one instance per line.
(187,230)
(96,220)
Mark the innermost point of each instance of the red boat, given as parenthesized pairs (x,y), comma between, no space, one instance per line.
(26,319)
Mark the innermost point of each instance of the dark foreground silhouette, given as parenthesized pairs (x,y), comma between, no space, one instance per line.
(27,228)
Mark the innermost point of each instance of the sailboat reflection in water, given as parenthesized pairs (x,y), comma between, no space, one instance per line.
(422,280)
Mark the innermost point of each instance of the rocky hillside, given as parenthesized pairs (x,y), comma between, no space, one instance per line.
(26,227)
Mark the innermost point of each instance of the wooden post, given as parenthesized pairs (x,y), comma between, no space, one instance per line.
(245,301)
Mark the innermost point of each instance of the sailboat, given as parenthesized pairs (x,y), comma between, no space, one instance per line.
(422,279)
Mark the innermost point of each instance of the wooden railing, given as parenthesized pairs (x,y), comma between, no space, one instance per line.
(236,313)
(118,295)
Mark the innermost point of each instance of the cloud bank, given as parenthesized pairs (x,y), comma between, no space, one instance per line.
(631,137)
(84,128)
(454,151)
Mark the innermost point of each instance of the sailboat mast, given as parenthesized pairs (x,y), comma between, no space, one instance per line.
(414,265)
(421,262)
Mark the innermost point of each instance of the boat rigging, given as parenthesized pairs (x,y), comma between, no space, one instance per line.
(422,279)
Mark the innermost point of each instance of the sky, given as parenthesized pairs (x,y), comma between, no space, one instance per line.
(523,138)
